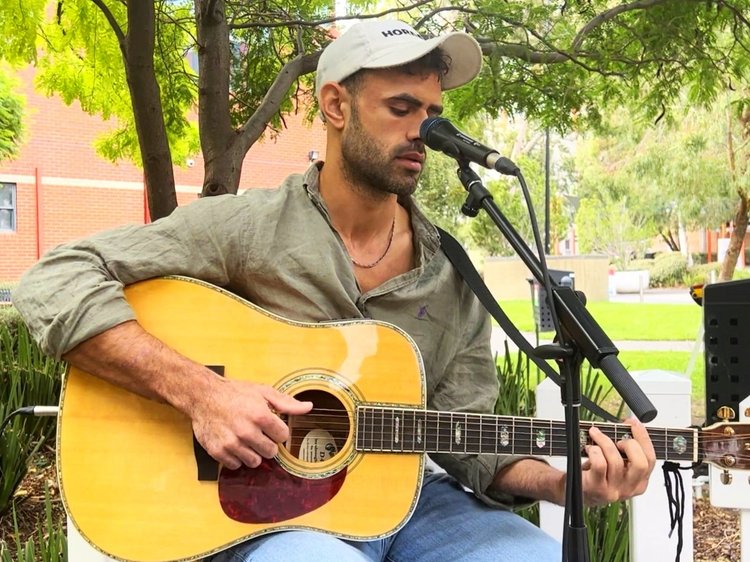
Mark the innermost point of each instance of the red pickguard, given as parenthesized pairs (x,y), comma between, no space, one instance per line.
(270,494)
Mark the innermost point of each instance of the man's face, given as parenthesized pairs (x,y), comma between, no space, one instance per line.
(381,149)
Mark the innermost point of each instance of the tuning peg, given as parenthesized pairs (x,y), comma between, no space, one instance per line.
(725,413)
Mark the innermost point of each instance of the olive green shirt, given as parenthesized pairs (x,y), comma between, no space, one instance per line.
(278,249)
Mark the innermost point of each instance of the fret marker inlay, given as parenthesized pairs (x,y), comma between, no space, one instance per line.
(408,430)
(504,436)
(541,439)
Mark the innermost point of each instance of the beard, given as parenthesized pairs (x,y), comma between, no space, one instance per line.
(368,165)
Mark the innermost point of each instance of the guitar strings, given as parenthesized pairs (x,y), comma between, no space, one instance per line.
(517,425)
(521,432)
(525,431)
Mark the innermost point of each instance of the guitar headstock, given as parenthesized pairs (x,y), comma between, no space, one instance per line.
(727,445)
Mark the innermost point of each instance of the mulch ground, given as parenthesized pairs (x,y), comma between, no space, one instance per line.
(30,513)
(716,531)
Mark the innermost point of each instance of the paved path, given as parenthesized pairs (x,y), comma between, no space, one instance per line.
(651,296)
(498,337)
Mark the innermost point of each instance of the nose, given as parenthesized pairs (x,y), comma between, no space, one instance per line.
(415,125)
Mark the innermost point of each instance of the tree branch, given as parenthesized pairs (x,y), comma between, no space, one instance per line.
(612,13)
(737,13)
(557,55)
(303,23)
(112,22)
(255,125)
(432,13)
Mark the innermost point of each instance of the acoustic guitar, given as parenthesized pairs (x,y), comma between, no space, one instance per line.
(138,487)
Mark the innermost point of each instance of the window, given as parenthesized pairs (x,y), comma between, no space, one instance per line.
(7,207)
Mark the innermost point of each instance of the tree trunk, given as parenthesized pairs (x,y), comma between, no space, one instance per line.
(735,241)
(738,166)
(668,238)
(224,148)
(223,175)
(147,109)
(682,237)
(222,172)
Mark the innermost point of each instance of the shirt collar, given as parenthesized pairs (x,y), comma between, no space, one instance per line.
(425,232)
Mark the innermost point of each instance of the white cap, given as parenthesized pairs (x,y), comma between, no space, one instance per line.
(388,43)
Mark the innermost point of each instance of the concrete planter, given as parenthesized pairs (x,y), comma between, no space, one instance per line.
(631,281)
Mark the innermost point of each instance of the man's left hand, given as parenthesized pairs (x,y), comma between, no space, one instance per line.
(608,476)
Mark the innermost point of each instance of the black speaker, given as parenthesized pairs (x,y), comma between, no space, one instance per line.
(726,321)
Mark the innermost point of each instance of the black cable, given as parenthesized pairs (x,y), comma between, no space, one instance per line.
(540,252)
(28,411)
(571,392)
(25,411)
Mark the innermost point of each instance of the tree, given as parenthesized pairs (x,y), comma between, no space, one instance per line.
(93,51)
(11,114)
(611,227)
(249,67)
(441,194)
(738,155)
(658,177)
(555,62)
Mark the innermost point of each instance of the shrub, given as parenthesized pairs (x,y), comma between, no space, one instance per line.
(27,378)
(49,544)
(701,274)
(609,533)
(699,258)
(668,270)
(9,317)
(639,265)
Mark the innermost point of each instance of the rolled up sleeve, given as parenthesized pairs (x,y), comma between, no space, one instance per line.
(76,290)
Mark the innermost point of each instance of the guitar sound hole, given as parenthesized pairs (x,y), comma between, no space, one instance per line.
(320,434)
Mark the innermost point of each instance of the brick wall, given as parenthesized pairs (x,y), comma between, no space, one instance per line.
(78,192)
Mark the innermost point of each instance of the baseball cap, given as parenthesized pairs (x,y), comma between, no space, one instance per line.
(388,43)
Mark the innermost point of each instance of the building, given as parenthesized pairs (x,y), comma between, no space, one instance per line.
(58,188)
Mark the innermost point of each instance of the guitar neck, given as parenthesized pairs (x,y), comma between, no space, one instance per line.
(405,430)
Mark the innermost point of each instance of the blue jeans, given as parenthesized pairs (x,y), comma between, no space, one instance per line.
(448,525)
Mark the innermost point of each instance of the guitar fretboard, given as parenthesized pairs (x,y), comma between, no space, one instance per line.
(405,430)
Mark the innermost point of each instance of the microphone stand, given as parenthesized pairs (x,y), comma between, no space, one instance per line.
(579,337)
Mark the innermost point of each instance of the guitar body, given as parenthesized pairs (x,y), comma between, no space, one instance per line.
(127,465)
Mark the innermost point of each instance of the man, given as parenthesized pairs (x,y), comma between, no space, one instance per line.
(344,240)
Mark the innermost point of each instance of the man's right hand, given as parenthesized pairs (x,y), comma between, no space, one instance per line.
(238,422)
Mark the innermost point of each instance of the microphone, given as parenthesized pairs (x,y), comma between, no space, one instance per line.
(439,134)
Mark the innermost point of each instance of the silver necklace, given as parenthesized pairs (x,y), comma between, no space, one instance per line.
(377,261)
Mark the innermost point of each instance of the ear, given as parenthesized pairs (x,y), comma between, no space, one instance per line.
(334,104)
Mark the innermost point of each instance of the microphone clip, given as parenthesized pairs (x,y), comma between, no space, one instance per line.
(476,190)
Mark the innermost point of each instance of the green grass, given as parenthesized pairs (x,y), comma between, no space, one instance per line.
(676,361)
(640,321)
(626,321)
